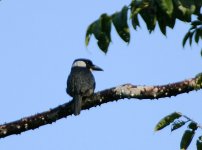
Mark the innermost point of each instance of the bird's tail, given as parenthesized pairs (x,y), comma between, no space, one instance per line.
(77,104)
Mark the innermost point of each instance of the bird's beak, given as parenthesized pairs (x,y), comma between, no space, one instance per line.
(96,68)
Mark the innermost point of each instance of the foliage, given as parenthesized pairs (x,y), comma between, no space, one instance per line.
(176,123)
(101,30)
(167,120)
(195,32)
(163,12)
(199,143)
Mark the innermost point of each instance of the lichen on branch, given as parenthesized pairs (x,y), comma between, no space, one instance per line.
(128,91)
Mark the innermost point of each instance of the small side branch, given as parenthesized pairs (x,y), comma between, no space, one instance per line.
(101,97)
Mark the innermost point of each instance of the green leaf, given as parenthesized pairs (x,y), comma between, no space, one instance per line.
(103,43)
(171,22)
(149,16)
(186,139)
(97,31)
(101,29)
(177,125)
(197,36)
(162,22)
(187,6)
(201,52)
(199,143)
(106,25)
(185,38)
(88,34)
(199,17)
(184,9)
(137,5)
(119,20)
(166,6)
(162,26)
(135,22)
(196,31)
(198,2)
(167,120)
(193,126)
(190,38)
(196,23)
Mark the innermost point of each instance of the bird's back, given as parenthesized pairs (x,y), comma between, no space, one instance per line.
(80,82)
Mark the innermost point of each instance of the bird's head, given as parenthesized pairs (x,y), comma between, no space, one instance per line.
(86,63)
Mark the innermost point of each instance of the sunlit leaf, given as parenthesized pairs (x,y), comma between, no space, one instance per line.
(166,6)
(138,5)
(184,9)
(167,120)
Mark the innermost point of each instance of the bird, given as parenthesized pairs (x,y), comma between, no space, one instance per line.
(81,82)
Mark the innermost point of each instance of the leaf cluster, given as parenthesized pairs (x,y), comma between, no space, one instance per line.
(163,12)
(176,123)
(195,32)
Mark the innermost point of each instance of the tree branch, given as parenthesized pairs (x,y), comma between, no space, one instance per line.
(101,97)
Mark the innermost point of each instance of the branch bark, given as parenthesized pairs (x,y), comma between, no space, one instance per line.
(113,94)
